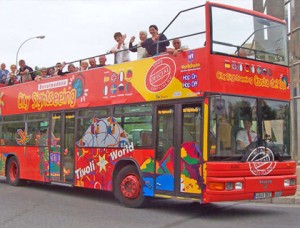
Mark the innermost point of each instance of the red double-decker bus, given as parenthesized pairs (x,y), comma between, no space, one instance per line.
(209,124)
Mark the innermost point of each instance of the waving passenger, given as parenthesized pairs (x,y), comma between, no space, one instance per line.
(120,49)
(151,43)
(141,52)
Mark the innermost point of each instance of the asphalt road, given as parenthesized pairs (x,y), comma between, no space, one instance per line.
(37,205)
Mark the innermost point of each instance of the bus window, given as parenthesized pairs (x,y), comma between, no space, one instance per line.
(165,131)
(139,130)
(191,115)
(276,125)
(227,126)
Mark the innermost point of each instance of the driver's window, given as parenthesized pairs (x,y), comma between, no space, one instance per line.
(233,125)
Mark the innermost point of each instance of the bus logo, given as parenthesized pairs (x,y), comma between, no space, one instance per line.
(261,161)
(160,74)
(190,56)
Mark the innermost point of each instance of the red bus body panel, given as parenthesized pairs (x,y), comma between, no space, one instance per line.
(273,182)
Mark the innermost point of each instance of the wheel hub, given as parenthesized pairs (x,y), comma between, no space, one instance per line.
(130,187)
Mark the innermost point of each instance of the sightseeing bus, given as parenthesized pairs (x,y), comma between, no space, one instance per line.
(164,126)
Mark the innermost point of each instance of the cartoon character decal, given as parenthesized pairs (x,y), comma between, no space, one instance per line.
(105,132)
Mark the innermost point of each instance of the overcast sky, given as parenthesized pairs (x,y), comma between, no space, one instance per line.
(77,29)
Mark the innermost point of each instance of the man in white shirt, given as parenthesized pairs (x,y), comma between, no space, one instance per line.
(245,136)
(121,54)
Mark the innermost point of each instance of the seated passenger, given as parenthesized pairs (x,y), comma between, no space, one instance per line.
(92,62)
(43,74)
(13,75)
(119,50)
(245,136)
(102,61)
(177,47)
(141,52)
(84,65)
(151,43)
(50,71)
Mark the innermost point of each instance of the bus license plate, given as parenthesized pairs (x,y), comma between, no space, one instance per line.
(262,195)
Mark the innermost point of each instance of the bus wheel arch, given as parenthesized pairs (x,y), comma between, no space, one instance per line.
(128,184)
(12,171)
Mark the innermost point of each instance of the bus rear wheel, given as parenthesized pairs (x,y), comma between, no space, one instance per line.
(13,172)
(128,187)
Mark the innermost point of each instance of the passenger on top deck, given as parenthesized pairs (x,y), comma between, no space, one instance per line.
(120,49)
(13,75)
(92,62)
(58,68)
(25,72)
(3,73)
(177,47)
(151,43)
(141,52)
(43,74)
(50,71)
(102,61)
(84,65)
(71,68)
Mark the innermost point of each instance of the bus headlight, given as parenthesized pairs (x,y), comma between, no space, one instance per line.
(289,182)
(238,186)
(229,186)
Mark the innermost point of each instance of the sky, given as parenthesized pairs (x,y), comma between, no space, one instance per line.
(79,29)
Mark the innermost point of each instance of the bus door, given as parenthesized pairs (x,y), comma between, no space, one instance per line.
(178,156)
(62,147)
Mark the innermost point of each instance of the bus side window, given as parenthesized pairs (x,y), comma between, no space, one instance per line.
(146,138)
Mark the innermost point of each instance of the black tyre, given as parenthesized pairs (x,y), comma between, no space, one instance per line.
(13,172)
(128,187)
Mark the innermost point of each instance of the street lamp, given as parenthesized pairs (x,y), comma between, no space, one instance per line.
(35,37)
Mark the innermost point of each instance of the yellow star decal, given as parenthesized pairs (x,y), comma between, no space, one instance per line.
(102,163)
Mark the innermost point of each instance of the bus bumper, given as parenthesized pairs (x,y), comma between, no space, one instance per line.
(249,188)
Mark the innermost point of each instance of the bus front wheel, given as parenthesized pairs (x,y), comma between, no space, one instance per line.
(13,172)
(128,187)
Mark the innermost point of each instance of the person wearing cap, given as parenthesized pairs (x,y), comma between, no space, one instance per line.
(151,43)
(245,136)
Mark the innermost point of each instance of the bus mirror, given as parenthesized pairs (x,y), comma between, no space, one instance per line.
(219,106)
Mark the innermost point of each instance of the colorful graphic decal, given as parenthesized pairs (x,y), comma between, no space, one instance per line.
(2,164)
(24,137)
(105,132)
(191,170)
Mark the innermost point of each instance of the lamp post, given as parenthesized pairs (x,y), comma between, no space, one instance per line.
(35,37)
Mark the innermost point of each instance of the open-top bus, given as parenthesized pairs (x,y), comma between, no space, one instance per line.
(164,126)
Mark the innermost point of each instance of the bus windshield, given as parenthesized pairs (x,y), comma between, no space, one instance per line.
(237,127)
(248,36)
